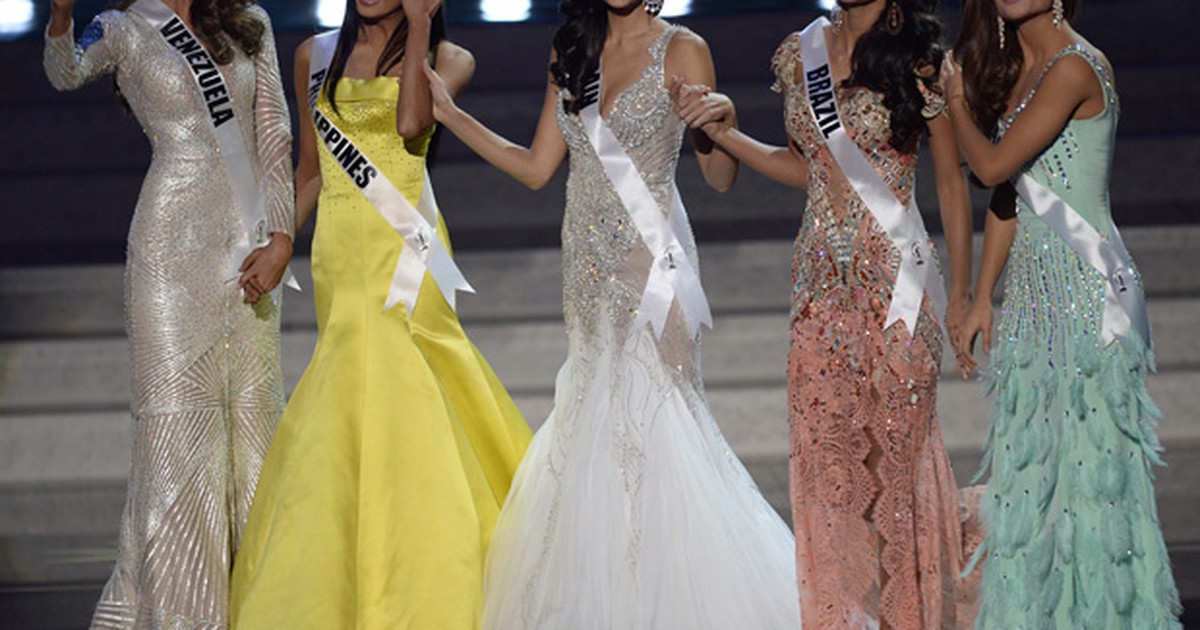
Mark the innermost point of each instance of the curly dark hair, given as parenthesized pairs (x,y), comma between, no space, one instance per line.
(891,64)
(222,24)
(990,72)
(578,44)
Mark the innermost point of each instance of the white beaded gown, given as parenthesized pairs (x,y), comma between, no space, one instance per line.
(207,389)
(629,511)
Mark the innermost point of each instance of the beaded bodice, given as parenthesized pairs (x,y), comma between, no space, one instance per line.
(841,247)
(157,84)
(1053,296)
(605,261)
(1078,163)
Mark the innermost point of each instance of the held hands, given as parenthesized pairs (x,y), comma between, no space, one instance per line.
(701,108)
(263,268)
(443,103)
(956,312)
(976,321)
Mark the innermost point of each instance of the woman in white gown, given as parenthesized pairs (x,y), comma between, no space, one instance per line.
(629,510)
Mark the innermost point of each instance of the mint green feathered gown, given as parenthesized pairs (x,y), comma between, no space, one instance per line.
(1073,536)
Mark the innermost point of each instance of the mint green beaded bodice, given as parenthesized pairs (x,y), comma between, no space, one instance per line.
(1053,296)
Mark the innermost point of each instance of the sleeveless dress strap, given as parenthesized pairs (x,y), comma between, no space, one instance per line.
(1098,66)
(1103,72)
(658,50)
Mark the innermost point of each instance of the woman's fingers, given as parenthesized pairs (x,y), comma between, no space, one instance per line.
(702,112)
(251,295)
(249,261)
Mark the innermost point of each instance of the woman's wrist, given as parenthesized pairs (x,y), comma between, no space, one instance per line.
(719,129)
(449,114)
(283,238)
(60,21)
(421,25)
(956,104)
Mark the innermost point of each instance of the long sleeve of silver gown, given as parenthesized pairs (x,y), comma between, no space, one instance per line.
(273,128)
(207,389)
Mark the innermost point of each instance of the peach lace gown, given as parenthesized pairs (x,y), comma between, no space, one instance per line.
(874,502)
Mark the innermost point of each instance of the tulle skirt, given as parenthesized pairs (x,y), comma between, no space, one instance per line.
(631,512)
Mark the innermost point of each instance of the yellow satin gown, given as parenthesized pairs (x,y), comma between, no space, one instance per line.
(390,465)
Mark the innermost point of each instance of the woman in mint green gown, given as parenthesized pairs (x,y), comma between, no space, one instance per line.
(1073,536)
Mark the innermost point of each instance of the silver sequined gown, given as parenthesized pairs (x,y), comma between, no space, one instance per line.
(630,511)
(207,389)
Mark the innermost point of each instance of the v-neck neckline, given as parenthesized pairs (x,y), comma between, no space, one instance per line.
(641,76)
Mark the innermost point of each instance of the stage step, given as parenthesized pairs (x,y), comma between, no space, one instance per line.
(64,381)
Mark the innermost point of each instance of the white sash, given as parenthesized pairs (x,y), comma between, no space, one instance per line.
(1124,303)
(423,250)
(218,100)
(917,274)
(671,273)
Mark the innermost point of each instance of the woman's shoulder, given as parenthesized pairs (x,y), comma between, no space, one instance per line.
(681,33)
(113,18)
(785,60)
(790,44)
(110,25)
(1077,67)
(256,11)
(677,40)
(788,50)
(1085,51)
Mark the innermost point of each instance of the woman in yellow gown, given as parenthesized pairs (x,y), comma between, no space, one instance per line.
(388,470)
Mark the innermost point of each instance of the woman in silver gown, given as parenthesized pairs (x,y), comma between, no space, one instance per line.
(207,389)
(629,510)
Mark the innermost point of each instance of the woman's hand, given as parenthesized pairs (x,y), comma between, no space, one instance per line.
(443,103)
(684,94)
(977,321)
(264,267)
(956,313)
(951,79)
(420,9)
(701,108)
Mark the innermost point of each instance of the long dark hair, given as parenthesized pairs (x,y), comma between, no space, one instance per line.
(578,44)
(990,72)
(889,64)
(223,24)
(219,23)
(393,52)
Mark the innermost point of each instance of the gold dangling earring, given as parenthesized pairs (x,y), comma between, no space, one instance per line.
(895,18)
(837,17)
(1000,28)
(1058,13)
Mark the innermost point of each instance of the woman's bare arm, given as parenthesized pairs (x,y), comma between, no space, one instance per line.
(533,166)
